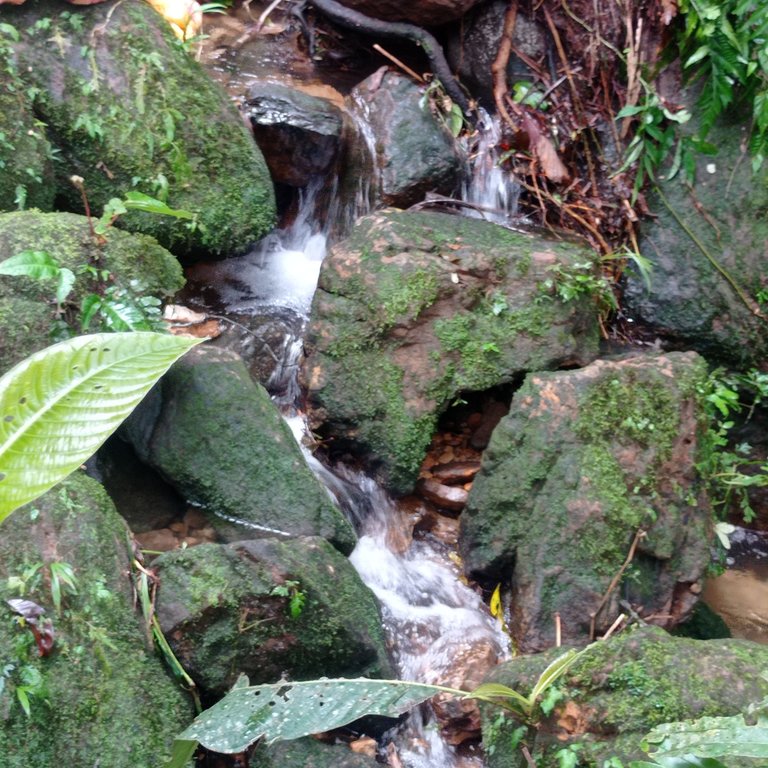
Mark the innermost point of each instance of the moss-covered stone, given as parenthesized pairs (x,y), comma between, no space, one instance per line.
(219,440)
(128,108)
(103,699)
(691,299)
(308,753)
(28,307)
(26,169)
(414,308)
(621,688)
(583,461)
(224,614)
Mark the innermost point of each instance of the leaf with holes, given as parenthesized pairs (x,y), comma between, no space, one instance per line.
(59,405)
(290,710)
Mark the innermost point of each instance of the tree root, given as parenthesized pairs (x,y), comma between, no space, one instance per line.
(357,21)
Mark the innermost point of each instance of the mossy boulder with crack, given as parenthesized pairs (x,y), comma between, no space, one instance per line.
(415,308)
(583,461)
(128,108)
(623,687)
(136,263)
(709,253)
(228,609)
(26,167)
(100,697)
(216,436)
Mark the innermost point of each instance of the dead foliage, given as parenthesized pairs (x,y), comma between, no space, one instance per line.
(567,157)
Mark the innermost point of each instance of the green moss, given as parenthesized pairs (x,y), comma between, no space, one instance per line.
(109,699)
(129,109)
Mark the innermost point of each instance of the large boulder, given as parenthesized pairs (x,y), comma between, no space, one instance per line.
(583,461)
(227,609)
(622,688)
(100,697)
(709,252)
(215,435)
(135,264)
(414,308)
(413,153)
(308,753)
(127,108)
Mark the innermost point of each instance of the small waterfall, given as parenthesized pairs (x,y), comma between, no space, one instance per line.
(432,619)
(490,187)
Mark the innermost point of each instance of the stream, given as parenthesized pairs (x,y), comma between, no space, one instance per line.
(436,625)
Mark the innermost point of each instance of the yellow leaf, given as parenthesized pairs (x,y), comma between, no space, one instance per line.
(495,604)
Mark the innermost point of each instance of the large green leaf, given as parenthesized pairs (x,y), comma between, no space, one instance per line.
(290,710)
(59,405)
(713,736)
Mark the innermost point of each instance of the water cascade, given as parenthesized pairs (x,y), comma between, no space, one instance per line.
(435,623)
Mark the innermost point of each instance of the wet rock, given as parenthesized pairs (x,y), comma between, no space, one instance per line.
(472,49)
(310,753)
(216,437)
(623,687)
(459,719)
(455,472)
(103,698)
(415,308)
(299,134)
(25,153)
(138,112)
(136,264)
(227,609)
(424,13)
(690,301)
(414,153)
(493,412)
(584,460)
(444,496)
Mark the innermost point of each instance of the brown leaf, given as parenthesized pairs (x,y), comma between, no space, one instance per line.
(549,160)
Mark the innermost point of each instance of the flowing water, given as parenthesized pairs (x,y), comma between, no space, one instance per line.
(436,625)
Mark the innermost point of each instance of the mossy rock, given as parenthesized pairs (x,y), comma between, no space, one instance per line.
(582,462)
(693,301)
(105,699)
(26,168)
(128,108)
(226,610)
(216,436)
(623,687)
(136,263)
(308,753)
(415,308)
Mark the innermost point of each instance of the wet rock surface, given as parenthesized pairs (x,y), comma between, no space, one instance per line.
(623,687)
(710,307)
(413,152)
(584,460)
(414,308)
(228,609)
(115,115)
(215,435)
(299,134)
(135,263)
(102,695)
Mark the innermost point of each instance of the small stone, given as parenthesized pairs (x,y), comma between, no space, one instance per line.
(364,746)
(456,472)
(445,496)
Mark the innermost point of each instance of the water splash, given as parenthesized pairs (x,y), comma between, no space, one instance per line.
(489,186)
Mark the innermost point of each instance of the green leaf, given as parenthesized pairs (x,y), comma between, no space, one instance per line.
(138,201)
(495,693)
(711,737)
(182,753)
(285,711)
(38,265)
(59,405)
(65,284)
(553,672)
